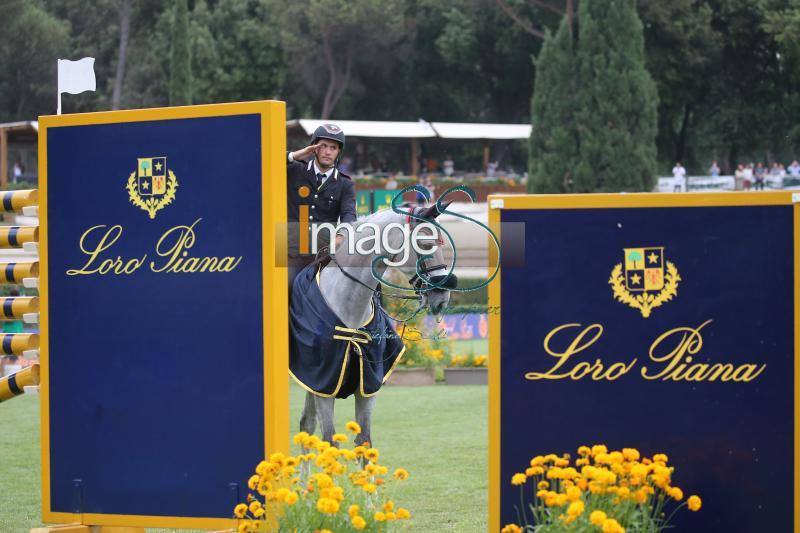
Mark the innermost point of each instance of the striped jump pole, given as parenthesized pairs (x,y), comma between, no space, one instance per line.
(18,343)
(16,272)
(17,236)
(15,384)
(17,201)
(14,307)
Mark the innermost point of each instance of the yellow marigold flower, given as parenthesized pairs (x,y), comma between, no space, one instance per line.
(543,485)
(245,527)
(694,503)
(616,458)
(597,518)
(631,454)
(301,437)
(254,506)
(575,508)
(323,480)
(382,470)
(583,461)
(291,498)
(582,484)
(573,494)
(518,479)
(624,492)
(675,493)
(660,458)
(390,516)
(327,505)
(339,437)
(537,461)
(281,494)
(380,516)
(353,427)
(561,499)
(511,528)
(612,526)
(277,457)
(401,474)
(252,483)
(353,510)
(534,471)
(402,513)
(550,458)
(561,462)
(369,488)
(261,468)
(359,522)
(599,448)
(640,496)
(388,506)
(372,454)
(584,450)
(240,510)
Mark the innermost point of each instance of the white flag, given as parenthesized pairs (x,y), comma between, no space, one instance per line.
(76,76)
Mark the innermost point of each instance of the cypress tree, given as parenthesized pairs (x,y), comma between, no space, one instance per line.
(553,144)
(180,60)
(616,100)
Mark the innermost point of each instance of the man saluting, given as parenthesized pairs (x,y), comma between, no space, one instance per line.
(315,181)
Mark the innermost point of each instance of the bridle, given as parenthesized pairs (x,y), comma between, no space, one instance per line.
(419,281)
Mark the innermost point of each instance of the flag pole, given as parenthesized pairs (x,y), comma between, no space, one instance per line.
(58,109)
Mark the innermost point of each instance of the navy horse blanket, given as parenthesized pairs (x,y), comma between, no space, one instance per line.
(329,359)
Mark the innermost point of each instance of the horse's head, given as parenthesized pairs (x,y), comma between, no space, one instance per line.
(432,277)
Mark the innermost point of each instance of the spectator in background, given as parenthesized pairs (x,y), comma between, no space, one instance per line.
(794,169)
(760,173)
(448,166)
(777,170)
(18,170)
(391,183)
(747,174)
(739,175)
(714,170)
(679,173)
(491,169)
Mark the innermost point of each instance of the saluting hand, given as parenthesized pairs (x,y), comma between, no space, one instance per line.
(303,154)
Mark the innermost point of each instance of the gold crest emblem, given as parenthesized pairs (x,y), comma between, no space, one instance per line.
(152,186)
(644,280)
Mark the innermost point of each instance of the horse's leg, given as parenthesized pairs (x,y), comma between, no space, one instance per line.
(325,415)
(308,423)
(364,406)
(308,420)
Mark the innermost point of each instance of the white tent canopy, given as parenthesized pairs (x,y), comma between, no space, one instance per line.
(460,130)
(370,128)
(419,130)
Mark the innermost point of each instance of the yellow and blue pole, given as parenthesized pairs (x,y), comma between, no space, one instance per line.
(12,307)
(15,384)
(16,236)
(15,201)
(17,343)
(16,272)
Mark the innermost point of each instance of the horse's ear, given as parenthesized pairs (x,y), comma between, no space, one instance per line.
(432,212)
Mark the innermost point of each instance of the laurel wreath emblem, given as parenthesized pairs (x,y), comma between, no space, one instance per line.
(151,205)
(645,302)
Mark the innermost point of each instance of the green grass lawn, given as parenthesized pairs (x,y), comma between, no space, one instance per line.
(438,433)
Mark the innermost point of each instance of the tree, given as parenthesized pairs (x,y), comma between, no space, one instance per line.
(124,11)
(674,32)
(180,66)
(553,152)
(615,114)
(32,42)
(333,45)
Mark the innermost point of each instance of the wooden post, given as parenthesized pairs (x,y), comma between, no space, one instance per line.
(485,157)
(3,158)
(414,158)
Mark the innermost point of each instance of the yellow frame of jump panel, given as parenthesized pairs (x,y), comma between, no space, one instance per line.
(274,297)
(600,201)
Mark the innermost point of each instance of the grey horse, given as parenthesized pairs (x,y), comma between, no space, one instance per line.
(349,297)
